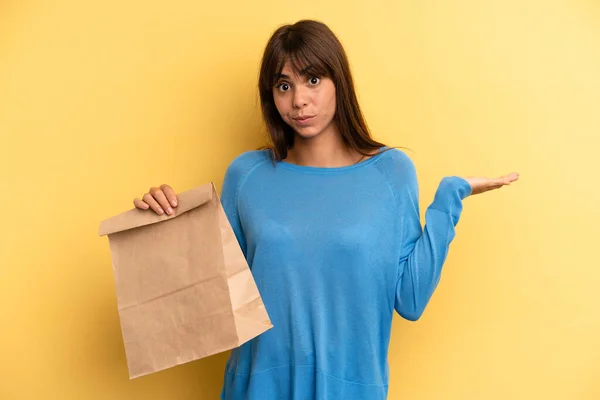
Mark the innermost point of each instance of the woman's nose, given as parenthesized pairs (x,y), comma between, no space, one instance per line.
(300,97)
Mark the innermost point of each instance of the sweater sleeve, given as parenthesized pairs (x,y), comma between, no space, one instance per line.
(235,176)
(423,249)
(229,199)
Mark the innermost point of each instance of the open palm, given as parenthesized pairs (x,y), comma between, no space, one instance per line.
(482,184)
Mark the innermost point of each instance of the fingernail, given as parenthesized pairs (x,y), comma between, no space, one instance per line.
(169,211)
(161,211)
(174,203)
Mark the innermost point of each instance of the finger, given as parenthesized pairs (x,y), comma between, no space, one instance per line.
(160,197)
(502,181)
(513,177)
(169,194)
(142,205)
(153,204)
(510,178)
(493,184)
(497,183)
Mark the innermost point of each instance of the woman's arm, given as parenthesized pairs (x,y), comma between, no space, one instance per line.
(424,250)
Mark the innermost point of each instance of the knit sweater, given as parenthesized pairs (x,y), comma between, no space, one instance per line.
(334,252)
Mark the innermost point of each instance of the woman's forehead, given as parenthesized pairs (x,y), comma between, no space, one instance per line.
(289,69)
(294,68)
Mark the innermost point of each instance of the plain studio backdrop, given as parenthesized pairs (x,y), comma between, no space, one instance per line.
(101,100)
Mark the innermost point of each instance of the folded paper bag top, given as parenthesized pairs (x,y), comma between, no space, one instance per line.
(184,289)
(135,218)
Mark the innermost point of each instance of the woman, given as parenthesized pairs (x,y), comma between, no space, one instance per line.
(328,219)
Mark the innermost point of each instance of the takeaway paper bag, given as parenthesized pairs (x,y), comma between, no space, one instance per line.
(184,289)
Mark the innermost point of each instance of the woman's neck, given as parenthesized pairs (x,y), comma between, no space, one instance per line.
(324,151)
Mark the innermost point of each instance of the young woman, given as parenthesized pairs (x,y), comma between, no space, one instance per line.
(329,221)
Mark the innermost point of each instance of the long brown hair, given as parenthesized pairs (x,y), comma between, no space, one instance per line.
(311,47)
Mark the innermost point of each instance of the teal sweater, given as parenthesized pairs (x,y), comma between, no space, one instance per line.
(333,251)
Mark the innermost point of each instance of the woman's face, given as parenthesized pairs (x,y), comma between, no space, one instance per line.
(305,102)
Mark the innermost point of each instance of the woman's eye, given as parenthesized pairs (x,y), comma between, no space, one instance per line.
(283,87)
(314,80)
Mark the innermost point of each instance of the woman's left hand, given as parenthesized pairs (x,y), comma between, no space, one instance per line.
(481,185)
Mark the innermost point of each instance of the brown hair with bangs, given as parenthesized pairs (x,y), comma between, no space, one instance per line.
(311,48)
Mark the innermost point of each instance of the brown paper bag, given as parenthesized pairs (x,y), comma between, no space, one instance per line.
(184,289)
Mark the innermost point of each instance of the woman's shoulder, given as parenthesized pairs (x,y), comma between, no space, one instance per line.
(245,162)
(251,157)
(398,171)
(393,161)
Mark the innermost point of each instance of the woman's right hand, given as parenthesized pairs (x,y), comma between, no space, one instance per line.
(159,199)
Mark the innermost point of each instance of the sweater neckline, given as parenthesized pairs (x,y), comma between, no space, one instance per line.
(307,168)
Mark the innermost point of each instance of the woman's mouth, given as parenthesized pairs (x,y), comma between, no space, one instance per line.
(304,119)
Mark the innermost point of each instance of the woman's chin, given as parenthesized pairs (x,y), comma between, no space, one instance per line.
(307,132)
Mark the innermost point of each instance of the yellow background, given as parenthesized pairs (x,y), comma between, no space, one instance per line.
(100,100)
